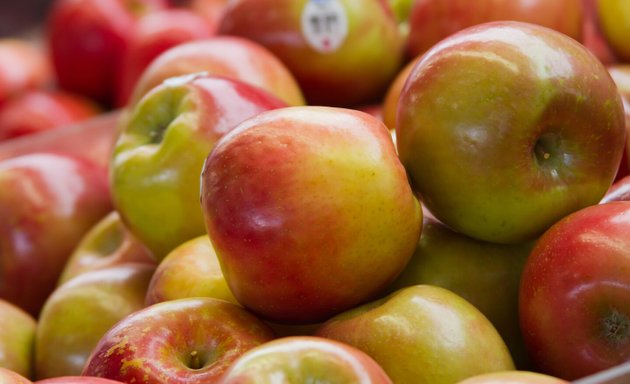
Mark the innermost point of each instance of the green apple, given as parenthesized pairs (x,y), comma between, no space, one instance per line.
(506,127)
(485,274)
(106,244)
(159,154)
(78,313)
(423,334)
(17,333)
(192,269)
(614,21)
(309,210)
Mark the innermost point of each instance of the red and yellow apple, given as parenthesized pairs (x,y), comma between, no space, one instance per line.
(17,334)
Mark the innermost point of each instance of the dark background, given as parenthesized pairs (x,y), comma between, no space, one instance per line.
(22,17)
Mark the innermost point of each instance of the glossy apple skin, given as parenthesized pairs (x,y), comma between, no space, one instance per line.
(309,211)
(86,40)
(108,243)
(513,377)
(79,312)
(575,293)
(77,380)
(17,333)
(305,359)
(433,20)
(42,110)
(228,56)
(614,20)
(422,334)
(188,341)
(48,202)
(620,73)
(485,274)
(153,34)
(619,191)
(159,154)
(23,66)
(506,127)
(192,269)
(11,377)
(356,72)
(390,101)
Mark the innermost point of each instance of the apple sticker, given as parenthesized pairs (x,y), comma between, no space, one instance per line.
(324,25)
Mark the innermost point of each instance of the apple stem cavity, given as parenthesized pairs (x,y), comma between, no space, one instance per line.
(195,360)
(616,328)
(544,148)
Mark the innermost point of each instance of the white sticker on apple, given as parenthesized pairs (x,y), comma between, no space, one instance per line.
(324,25)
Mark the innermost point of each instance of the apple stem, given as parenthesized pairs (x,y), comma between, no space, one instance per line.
(195,360)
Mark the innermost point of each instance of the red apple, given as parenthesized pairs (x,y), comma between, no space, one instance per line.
(619,191)
(77,380)
(614,21)
(513,377)
(9,376)
(17,333)
(159,154)
(433,20)
(86,39)
(506,127)
(390,101)
(309,211)
(24,65)
(305,359)
(153,34)
(48,201)
(342,52)
(592,36)
(211,10)
(575,293)
(227,56)
(79,312)
(422,334)
(621,75)
(181,341)
(192,269)
(42,110)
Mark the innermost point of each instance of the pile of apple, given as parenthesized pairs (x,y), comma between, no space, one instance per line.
(318,191)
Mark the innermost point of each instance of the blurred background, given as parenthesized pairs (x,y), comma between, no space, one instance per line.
(22,17)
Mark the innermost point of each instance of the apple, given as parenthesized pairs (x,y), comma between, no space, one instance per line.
(506,127)
(422,334)
(41,110)
(342,52)
(79,312)
(513,377)
(309,211)
(305,359)
(228,56)
(190,270)
(620,73)
(575,293)
(592,36)
(211,10)
(153,34)
(159,154)
(390,101)
(619,191)
(485,274)
(108,243)
(48,202)
(76,380)
(191,340)
(17,333)
(402,11)
(86,40)
(433,20)
(9,376)
(614,21)
(24,65)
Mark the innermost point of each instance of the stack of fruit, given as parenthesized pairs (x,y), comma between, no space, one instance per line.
(317,191)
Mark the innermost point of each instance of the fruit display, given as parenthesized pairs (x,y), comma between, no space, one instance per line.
(315,191)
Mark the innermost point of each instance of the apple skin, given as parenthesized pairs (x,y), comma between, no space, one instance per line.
(9,376)
(305,359)
(513,377)
(309,211)
(592,35)
(620,73)
(575,293)
(519,126)
(42,110)
(108,243)
(355,72)
(153,34)
(614,21)
(192,269)
(86,40)
(433,20)
(17,333)
(390,101)
(49,201)
(76,380)
(23,66)
(191,340)
(158,156)
(228,56)
(79,312)
(422,334)
(619,191)
(485,274)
